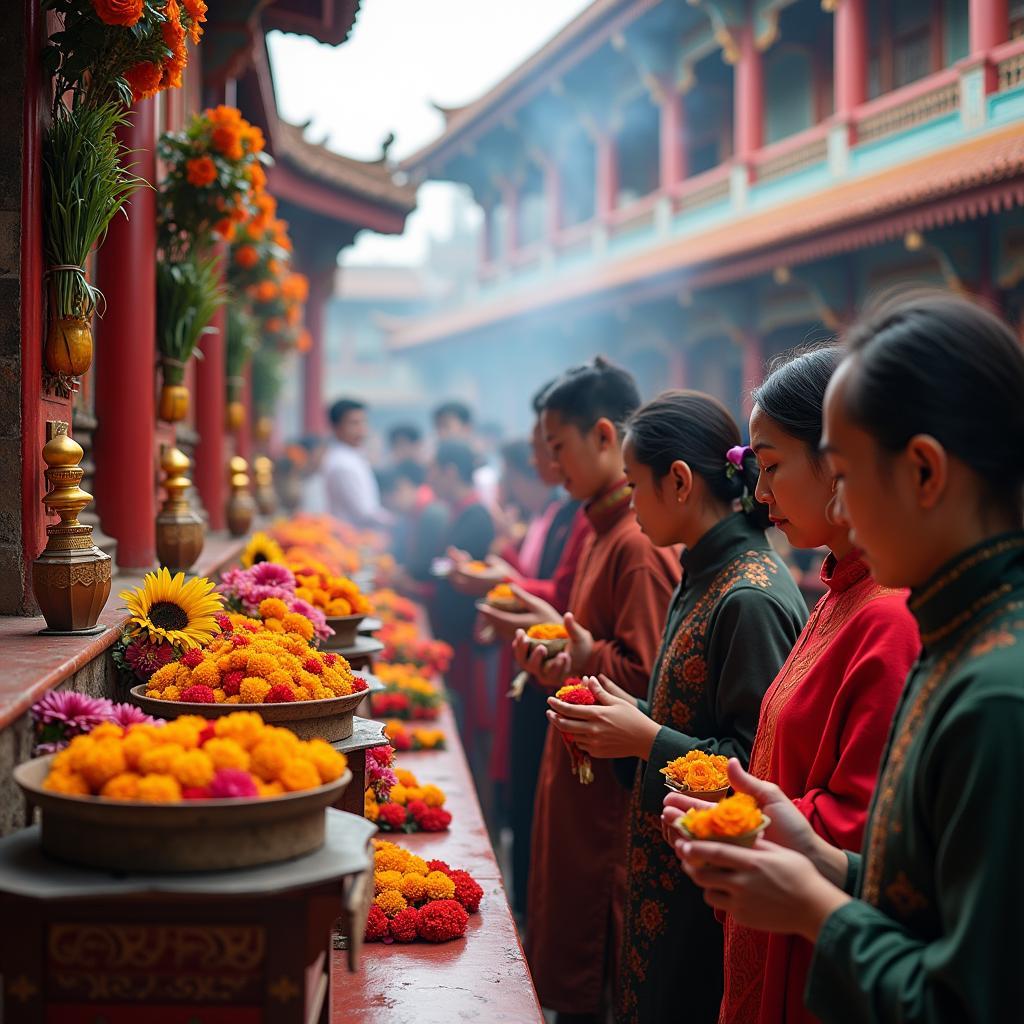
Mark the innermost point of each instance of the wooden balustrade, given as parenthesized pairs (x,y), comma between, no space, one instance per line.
(918,109)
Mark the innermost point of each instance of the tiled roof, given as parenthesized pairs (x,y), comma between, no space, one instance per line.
(958,183)
(329,21)
(371,179)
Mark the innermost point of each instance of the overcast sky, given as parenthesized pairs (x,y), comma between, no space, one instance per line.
(402,55)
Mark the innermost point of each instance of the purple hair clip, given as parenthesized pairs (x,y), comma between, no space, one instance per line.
(734,464)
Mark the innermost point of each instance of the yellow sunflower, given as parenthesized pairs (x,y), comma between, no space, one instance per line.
(262,548)
(170,609)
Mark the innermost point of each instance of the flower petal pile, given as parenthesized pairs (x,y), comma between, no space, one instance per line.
(406,806)
(420,899)
(403,737)
(407,694)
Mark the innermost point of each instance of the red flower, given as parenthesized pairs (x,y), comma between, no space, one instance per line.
(331,660)
(376,924)
(439,865)
(192,657)
(433,819)
(233,782)
(359,684)
(442,920)
(279,694)
(401,741)
(195,793)
(198,693)
(392,815)
(207,733)
(467,891)
(313,665)
(240,641)
(232,682)
(224,622)
(404,925)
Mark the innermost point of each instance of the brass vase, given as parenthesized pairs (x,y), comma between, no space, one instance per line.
(71,578)
(266,496)
(241,508)
(68,348)
(179,527)
(174,397)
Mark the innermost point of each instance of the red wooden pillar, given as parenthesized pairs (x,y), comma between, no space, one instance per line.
(748,124)
(210,473)
(607,171)
(753,368)
(989,25)
(125,360)
(850,49)
(672,138)
(553,204)
(314,413)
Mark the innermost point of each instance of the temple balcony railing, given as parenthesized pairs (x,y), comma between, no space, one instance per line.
(1009,63)
(909,107)
(795,153)
(704,189)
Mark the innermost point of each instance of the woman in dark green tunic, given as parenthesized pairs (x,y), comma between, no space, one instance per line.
(731,625)
(925,430)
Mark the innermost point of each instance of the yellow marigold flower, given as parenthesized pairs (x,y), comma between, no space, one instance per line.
(406,777)
(391,901)
(192,768)
(269,788)
(102,761)
(433,796)
(106,731)
(122,787)
(295,623)
(171,693)
(207,673)
(300,774)
(321,692)
(61,761)
(273,608)
(274,625)
(160,789)
(69,783)
(734,816)
(279,677)
(219,696)
(371,811)
(244,727)
(329,763)
(439,886)
(413,793)
(163,676)
(253,690)
(158,759)
(261,664)
(268,759)
(384,880)
(389,857)
(301,693)
(414,886)
(226,753)
(154,694)
(417,865)
(134,745)
(235,699)
(398,794)
(184,731)
(77,749)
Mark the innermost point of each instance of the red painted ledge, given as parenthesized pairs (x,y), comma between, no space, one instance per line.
(34,664)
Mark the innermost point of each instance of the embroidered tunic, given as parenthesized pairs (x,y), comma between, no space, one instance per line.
(935,934)
(820,737)
(732,622)
(577,864)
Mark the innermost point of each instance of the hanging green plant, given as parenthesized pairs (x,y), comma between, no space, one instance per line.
(242,340)
(187,296)
(84,186)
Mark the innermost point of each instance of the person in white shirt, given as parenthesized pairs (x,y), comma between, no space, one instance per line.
(349,480)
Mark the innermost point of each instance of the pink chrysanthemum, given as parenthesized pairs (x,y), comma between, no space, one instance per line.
(234,783)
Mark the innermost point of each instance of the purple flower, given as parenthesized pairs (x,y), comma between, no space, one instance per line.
(737,454)
(72,710)
(128,714)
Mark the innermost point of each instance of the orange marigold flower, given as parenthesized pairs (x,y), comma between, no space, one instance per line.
(439,886)
(225,228)
(735,816)
(414,886)
(547,631)
(70,783)
(273,608)
(197,12)
(304,342)
(253,690)
(698,771)
(118,12)
(227,139)
(158,759)
(267,291)
(246,257)
(162,789)
(193,768)
(296,286)
(392,902)
(296,623)
(200,171)
(300,774)
(102,761)
(171,30)
(124,786)
(144,79)
(268,759)
(257,177)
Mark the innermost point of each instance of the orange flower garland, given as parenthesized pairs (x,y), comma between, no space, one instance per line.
(236,756)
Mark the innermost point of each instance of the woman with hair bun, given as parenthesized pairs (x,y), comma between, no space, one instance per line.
(825,717)
(731,623)
(924,429)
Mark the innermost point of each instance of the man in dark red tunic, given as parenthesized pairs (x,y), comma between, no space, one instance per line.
(618,602)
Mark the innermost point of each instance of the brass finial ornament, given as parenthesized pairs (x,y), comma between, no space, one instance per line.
(71,578)
(241,507)
(179,527)
(266,496)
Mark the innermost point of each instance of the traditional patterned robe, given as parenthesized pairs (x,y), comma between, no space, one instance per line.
(820,736)
(732,622)
(936,932)
(577,866)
